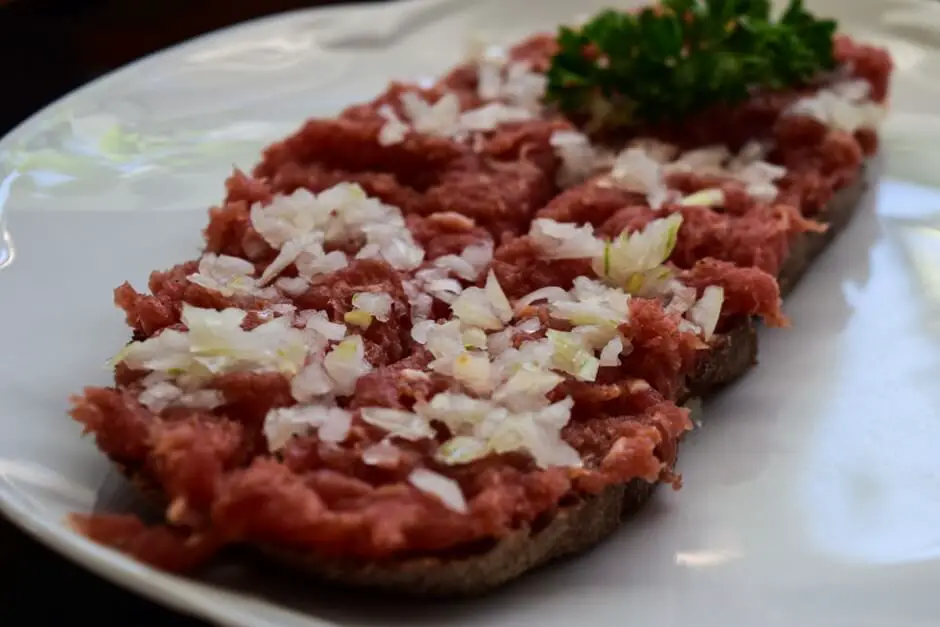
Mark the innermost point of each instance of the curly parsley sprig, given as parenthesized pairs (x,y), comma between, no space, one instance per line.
(684,55)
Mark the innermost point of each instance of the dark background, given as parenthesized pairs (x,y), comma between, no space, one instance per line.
(48,48)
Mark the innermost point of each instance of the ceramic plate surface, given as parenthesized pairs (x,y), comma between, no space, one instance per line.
(812,495)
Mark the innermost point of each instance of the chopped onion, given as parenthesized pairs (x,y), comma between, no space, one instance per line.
(445,341)
(471,262)
(310,243)
(282,424)
(561,240)
(460,413)
(318,322)
(500,342)
(286,217)
(527,389)
(579,313)
(393,243)
(415,375)
(420,331)
(636,170)
(550,293)
(369,305)
(475,307)
(634,261)
(442,118)
(497,297)
(420,302)
(457,265)
(473,370)
(228,276)
(571,355)
(311,262)
(292,286)
(524,87)
(394,130)
(538,433)
(708,160)
(346,363)
(610,355)
(310,383)
(398,423)
(530,325)
(479,256)
(444,489)
(215,343)
(384,454)
(705,198)
(446,290)
(842,106)
(707,310)
(763,192)
(751,151)
(299,224)
(474,338)
(158,397)
(202,399)
(490,116)
(577,155)
(461,449)
(682,299)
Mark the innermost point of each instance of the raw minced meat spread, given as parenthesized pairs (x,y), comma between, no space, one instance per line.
(446,313)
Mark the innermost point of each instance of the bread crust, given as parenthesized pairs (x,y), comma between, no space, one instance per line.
(573,529)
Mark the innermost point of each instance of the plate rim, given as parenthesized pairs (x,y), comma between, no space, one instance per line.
(176,593)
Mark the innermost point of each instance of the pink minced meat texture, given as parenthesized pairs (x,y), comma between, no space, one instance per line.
(212,467)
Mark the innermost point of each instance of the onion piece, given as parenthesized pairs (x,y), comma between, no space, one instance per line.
(398,423)
(345,364)
(550,294)
(634,261)
(570,354)
(706,312)
(461,449)
(562,240)
(497,297)
(318,322)
(283,423)
(215,343)
(473,370)
(394,130)
(384,455)
(578,157)
(636,170)
(228,276)
(714,197)
(310,383)
(610,355)
(527,389)
(442,488)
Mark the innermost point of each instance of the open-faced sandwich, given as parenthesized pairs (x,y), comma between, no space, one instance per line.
(447,336)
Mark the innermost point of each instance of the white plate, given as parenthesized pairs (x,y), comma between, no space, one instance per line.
(812,497)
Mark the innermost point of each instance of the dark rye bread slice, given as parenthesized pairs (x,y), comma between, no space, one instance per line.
(577,528)
(572,529)
(804,250)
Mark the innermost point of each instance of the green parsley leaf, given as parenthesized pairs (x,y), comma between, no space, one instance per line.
(667,61)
